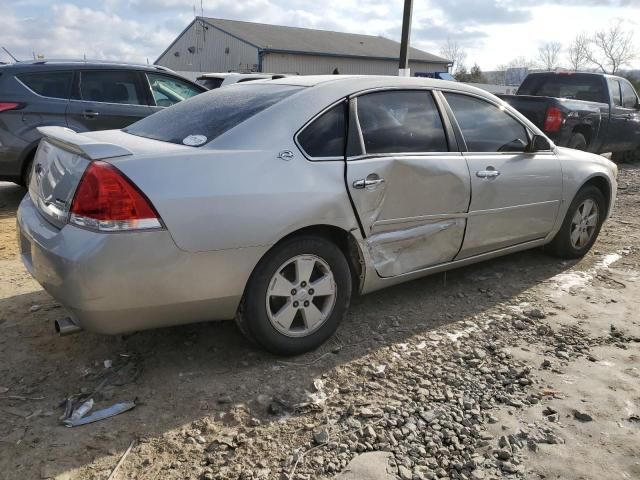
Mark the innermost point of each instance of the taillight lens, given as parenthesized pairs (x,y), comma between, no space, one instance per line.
(6,106)
(553,120)
(106,200)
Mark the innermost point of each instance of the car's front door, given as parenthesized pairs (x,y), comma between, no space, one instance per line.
(515,195)
(167,90)
(107,99)
(410,189)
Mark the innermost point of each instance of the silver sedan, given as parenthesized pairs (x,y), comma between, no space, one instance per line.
(274,202)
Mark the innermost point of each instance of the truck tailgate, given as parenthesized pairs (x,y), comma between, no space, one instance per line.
(534,108)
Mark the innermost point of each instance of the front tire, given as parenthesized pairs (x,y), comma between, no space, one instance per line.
(297,296)
(581,225)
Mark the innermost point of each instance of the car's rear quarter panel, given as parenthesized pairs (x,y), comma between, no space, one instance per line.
(217,200)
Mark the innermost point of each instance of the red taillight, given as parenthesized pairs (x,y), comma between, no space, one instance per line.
(553,120)
(5,106)
(107,200)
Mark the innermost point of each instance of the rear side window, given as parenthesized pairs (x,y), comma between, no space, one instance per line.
(110,86)
(401,122)
(48,84)
(486,127)
(202,118)
(325,136)
(629,97)
(614,92)
(577,87)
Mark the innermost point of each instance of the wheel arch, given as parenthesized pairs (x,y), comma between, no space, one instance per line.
(602,183)
(586,131)
(345,241)
(27,157)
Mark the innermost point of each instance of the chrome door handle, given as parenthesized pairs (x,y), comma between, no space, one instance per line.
(90,114)
(370,181)
(489,173)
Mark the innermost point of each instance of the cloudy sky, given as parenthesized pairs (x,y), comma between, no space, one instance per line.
(493,31)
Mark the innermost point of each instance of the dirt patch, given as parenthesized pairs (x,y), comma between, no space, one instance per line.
(436,372)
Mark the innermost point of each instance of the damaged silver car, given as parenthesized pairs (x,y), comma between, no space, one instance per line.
(274,202)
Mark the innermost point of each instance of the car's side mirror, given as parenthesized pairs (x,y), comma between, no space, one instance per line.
(539,144)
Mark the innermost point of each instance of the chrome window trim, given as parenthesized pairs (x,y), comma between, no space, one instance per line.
(111,103)
(367,156)
(309,122)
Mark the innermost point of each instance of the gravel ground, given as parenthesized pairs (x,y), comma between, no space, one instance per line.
(521,367)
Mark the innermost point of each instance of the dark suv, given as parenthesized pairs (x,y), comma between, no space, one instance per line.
(79,95)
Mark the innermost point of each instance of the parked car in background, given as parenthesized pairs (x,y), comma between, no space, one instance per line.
(437,75)
(82,96)
(217,80)
(281,212)
(586,111)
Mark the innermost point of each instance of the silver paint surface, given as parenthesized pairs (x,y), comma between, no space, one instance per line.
(225,204)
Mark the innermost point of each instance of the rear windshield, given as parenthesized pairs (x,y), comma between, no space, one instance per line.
(576,87)
(202,118)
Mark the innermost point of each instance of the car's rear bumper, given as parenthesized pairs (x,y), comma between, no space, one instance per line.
(115,283)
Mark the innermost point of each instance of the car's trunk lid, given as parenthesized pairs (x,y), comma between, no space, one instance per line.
(60,161)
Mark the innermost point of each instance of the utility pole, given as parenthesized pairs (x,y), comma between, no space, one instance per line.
(403,68)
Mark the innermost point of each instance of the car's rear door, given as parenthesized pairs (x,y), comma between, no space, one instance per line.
(407,180)
(515,195)
(107,99)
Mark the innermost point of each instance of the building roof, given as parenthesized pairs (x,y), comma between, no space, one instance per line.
(277,38)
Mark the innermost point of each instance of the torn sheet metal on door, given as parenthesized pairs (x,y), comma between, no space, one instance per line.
(410,249)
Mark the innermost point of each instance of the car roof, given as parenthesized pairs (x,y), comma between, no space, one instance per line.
(76,64)
(373,81)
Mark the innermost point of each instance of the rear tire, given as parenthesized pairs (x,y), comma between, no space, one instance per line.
(578,142)
(580,228)
(297,296)
(629,156)
(27,170)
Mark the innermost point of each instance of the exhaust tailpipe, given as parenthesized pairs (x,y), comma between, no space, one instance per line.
(65,326)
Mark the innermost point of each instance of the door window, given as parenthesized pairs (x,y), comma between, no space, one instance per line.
(614,92)
(324,137)
(629,97)
(486,127)
(168,91)
(49,84)
(401,122)
(110,87)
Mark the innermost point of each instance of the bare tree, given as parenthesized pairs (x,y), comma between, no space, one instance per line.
(612,48)
(578,52)
(521,62)
(454,52)
(549,55)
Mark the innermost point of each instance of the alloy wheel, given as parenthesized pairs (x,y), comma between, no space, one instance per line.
(584,224)
(301,295)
